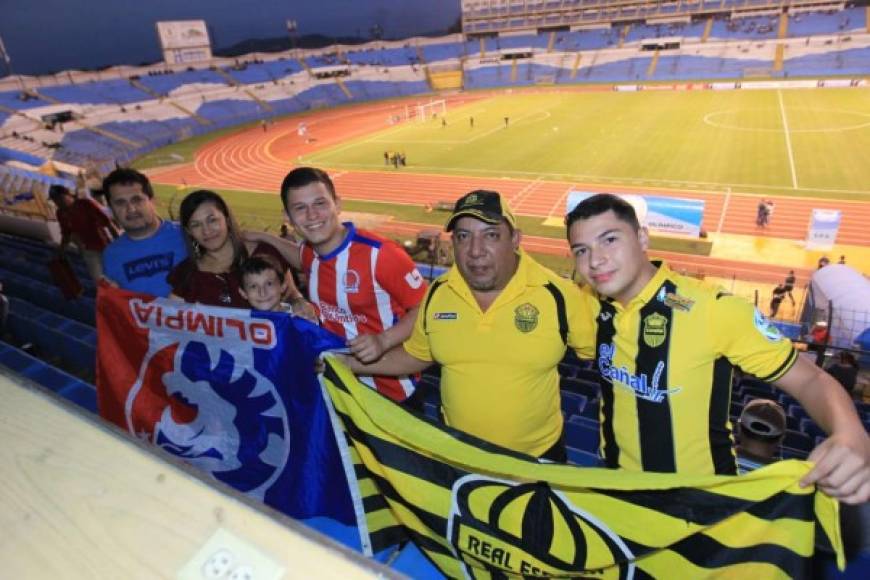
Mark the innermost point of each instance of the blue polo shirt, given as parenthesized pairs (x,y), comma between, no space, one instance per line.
(142,265)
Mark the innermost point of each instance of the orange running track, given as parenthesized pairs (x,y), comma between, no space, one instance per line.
(256,160)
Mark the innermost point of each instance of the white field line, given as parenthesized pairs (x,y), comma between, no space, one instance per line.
(794,182)
(524,192)
(698,186)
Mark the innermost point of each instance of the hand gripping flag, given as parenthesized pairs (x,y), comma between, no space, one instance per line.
(479,511)
(230,391)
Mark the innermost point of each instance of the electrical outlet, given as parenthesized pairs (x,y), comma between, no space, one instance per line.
(218,565)
(242,573)
(225,556)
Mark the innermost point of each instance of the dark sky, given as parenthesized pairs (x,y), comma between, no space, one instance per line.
(49,35)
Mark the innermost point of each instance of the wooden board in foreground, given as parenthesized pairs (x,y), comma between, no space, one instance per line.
(79,499)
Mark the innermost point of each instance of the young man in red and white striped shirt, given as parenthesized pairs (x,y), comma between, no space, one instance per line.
(365,286)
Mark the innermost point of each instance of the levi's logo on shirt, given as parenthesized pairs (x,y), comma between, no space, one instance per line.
(148,266)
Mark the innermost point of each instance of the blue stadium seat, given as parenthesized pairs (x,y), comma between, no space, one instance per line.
(567,371)
(48,297)
(582,458)
(65,385)
(17,360)
(74,342)
(589,422)
(588,374)
(797,411)
(590,411)
(736,409)
(572,403)
(581,435)
(432,410)
(750,393)
(790,453)
(582,387)
(758,385)
(798,440)
(82,394)
(809,427)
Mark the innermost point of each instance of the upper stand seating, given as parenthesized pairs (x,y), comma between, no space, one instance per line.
(754,28)
(437,52)
(251,73)
(164,84)
(113,92)
(824,23)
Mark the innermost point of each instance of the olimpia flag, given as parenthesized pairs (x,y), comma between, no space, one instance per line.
(479,511)
(230,391)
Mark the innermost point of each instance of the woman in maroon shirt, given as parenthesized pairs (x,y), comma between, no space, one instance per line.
(217,250)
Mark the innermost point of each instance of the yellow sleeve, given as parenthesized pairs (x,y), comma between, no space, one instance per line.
(749,340)
(417,345)
(582,309)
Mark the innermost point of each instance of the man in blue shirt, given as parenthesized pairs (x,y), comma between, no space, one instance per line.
(150,247)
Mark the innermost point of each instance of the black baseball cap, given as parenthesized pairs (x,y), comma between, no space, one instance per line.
(763,418)
(484,205)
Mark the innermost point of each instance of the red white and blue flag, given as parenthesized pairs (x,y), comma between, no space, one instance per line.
(230,391)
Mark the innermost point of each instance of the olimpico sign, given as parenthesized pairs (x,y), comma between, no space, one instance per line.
(184,41)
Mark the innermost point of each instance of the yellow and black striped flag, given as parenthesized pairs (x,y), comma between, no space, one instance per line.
(479,511)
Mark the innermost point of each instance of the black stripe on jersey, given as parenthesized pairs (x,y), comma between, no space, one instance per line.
(605,333)
(720,405)
(560,310)
(783,368)
(655,428)
(432,290)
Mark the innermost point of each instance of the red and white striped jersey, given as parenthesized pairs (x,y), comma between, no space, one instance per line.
(364,287)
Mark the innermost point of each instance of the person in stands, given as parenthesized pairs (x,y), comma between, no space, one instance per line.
(83,223)
(212,273)
(150,246)
(760,431)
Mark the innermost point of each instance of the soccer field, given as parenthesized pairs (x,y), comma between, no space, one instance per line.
(805,142)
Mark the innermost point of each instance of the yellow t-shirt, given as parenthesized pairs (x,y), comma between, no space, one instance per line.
(666,361)
(499,378)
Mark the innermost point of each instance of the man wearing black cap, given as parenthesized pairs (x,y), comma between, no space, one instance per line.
(761,428)
(497,322)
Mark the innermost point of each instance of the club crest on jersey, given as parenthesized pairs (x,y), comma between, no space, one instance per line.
(414,279)
(767,329)
(529,529)
(526,317)
(655,330)
(350,282)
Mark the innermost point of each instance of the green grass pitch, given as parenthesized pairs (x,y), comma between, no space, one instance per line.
(799,142)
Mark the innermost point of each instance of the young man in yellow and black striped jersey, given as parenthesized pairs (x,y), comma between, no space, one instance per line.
(666,344)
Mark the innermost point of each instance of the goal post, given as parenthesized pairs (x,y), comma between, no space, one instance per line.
(430,110)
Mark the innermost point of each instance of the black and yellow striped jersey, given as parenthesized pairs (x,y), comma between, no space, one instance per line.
(666,362)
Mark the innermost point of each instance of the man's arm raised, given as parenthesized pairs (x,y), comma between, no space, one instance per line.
(842,461)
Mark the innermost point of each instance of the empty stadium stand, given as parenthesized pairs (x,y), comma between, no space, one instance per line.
(117,116)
